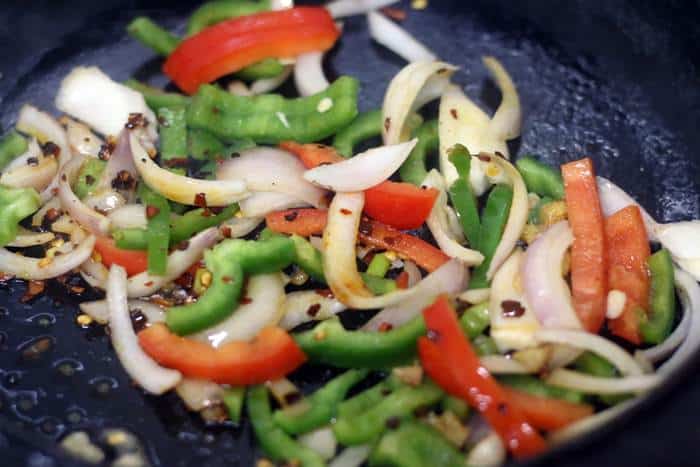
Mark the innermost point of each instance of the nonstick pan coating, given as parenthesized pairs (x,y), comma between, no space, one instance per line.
(614,80)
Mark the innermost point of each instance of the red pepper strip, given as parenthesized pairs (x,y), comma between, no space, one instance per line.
(239,42)
(271,355)
(134,261)
(304,222)
(451,362)
(628,251)
(400,205)
(545,413)
(402,280)
(588,264)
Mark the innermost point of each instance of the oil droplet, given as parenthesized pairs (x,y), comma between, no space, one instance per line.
(103,385)
(75,416)
(50,426)
(25,402)
(43,320)
(67,366)
(35,348)
(12,378)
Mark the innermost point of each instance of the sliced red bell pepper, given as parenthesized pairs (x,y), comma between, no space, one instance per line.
(133,261)
(628,251)
(303,221)
(545,413)
(272,354)
(236,43)
(402,280)
(450,361)
(588,264)
(400,205)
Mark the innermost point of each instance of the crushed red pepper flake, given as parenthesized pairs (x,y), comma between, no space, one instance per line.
(200,200)
(152,211)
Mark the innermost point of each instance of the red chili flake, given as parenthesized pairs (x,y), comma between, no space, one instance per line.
(77,289)
(402,280)
(291,216)
(390,240)
(32,162)
(387,123)
(512,309)
(176,162)
(89,179)
(136,120)
(148,284)
(432,335)
(313,310)
(365,226)
(500,155)
(34,288)
(124,181)
(397,14)
(152,211)
(484,157)
(246,300)
(216,210)
(327,293)
(64,177)
(107,149)
(345,212)
(52,214)
(226,280)
(185,280)
(50,149)
(502,407)
(393,423)
(385,327)
(200,200)
(183,245)
(454,113)
(215,110)
(226,231)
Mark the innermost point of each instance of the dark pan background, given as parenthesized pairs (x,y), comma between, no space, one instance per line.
(616,80)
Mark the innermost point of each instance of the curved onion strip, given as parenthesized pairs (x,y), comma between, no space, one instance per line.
(79,211)
(264,308)
(681,239)
(239,88)
(501,365)
(414,274)
(397,39)
(461,121)
(129,216)
(262,203)
(594,343)
(179,261)
(26,238)
(342,8)
(321,440)
(105,202)
(691,266)
(596,385)
(439,225)
(308,74)
(613,198)
(308,305)
(353,456)
(271,169)
(475,296)
(81,139)
(40,269)
(414,86)
(94,272)
(517,217)
(545,288)
(91,96)
(240,226)
(488,452)
(507,121)
(45,128)
(120,160)
(266,85)
(364,170)
(183,189)
(511,332)
(450,278)
(591,423)
(140,367)
(33,151)
(37,176)
(198,394)
(455,228)
(99,310)
(38,217)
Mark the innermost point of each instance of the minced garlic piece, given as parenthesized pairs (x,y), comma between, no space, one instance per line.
(324,105)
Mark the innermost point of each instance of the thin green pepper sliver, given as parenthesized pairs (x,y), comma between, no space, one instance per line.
(365,126)
(271,118)
(272,439)
(214,12)
(475,319)
(378,285)
(414,169)
(308,258)
(493,221)
(462,196)
(414,444)
(15,205)
(484,345)
(88,176)
(152,36)
(172,129)
(590,363)
(157,98)
(233,400)
(379,265)
(662,308)
(365,427)
(364,400)
(537,387)
(202,145)
(323,404)
(157,231)
(11,146)
(228,262)
(264,69)
(540,178)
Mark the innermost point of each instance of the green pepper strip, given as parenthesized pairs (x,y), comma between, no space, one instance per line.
(233,400)
(323,404)
(172,129)
(590,363)
(90,172)
(663,299)
(462,196)
(493,221)
(379,265)
(202,145)
(540,178)
(378,285)
(157,231)
(308,258)
(264,69)
(484,345)
(367,125)
(364,427)
(228,262)
(152,36)
(15,205)
(475,319)
(157,98)
(414,169)
(271,118)
(11,146)
(364,400)
(414,444)
(211,13)
(537,387)
(274,441)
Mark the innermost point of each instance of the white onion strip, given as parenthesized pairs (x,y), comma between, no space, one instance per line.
(309,77)
(198,394)
(501,365)
(308,305)
(37,176)
(261,203)
(321,440)
(45,128)
(130,216)
(26,238)
(39,269)
(397,39)
(240,226)
(183,189)
(506,122)
(33,151)
(353,456)
(342,8)
(363,171)
(265,85)
(488,452)
(99,310)
(596,385)
(120,160)
(613,198)
(81,140)
(140,367)
(79,211)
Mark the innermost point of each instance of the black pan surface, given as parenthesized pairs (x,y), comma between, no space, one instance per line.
(615,80)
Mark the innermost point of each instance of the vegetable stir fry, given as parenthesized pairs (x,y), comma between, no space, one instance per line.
(246,225)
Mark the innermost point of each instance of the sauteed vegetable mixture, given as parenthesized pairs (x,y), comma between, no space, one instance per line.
(504,305)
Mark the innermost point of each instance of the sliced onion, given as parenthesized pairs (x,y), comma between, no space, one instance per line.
(81,140)
(601,346)
(33,151)
(414,274)
(308,74)
(37,176)
(488,452)
(353,456)
(439,225)
(183,189)
(79,211)
(475,296)
(364,170)
(450,278)
(308,305)
(91,96)
(121,160)
(39,269)
(342,8)
(591,423)
(94,273)
(38,217)
(321,440)
(613,198)
(99,310)
(140,367)
(179,261)
(397,39)
(596,385)
(501,365)
(265,307)
(26,238)
(240,226)
(507,121)
(680,238)
(263,86)
(261,203)
(239,88)
(511,332)
(198,394)
(545,288)
(454,226)
(130,216)
(271,169)
(414,86)
(45,128)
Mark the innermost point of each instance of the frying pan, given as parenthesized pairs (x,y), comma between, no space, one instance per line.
(615,80)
